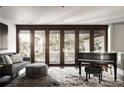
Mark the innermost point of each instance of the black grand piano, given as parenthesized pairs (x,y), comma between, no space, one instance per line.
(103,58)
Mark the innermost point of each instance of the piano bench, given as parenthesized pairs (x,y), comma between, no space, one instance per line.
(97,70)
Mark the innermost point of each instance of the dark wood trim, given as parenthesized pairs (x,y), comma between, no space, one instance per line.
(47,47)
(91,40)
(76,44)
(32,46)
(61,47)
(106,39)
(67,27)
(17,40)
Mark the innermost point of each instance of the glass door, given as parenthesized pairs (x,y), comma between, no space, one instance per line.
(61,45)
(24,43)
(84,41)
(69,47)
(99,40)
(39,45)
(54,47)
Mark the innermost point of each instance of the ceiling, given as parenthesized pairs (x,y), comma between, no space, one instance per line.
(62,15)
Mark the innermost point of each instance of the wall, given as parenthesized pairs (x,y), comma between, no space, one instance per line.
(11,36)
(116,43)
(118,34)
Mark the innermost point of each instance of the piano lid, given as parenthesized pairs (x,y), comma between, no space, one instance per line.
(95,52)
(97,55)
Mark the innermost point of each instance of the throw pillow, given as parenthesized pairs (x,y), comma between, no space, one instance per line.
(16,58)
(8,59)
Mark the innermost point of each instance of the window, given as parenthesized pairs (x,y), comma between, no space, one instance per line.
(99,41)
(59,45)
(84,40)
(24,43)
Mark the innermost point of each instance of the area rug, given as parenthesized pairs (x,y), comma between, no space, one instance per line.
(65,77)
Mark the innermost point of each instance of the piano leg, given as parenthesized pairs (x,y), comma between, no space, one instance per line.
(115,72)
(89,75)
(86,76)
(79,67)
(99,78)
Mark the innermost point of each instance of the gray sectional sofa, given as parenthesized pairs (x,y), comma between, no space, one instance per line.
(12,69)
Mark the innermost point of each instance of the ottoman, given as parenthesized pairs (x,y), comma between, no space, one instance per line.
(94,70)
(36,70)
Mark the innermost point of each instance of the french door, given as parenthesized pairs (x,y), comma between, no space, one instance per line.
(39,46)
(54,47)
(25,42)
(59,46)
(84,40)
(69,47)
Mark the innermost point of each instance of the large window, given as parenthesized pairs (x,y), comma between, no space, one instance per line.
(99,41)
(24,43)
(84,40)
(54,47)
(58,44)
(69,47)
(39,46)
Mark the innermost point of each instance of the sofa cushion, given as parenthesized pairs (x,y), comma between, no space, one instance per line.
(16,58)
(18,66)
(8,59)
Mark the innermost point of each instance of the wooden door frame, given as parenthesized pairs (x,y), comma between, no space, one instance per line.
(76,45)
(46,28)
(47,46)
(32,53)
(61,47)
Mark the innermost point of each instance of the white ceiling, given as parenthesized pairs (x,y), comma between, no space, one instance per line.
(62,15)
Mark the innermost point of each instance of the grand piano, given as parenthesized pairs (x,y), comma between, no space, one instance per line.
(100,58)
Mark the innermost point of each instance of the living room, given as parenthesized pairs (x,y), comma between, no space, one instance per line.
(51,39)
